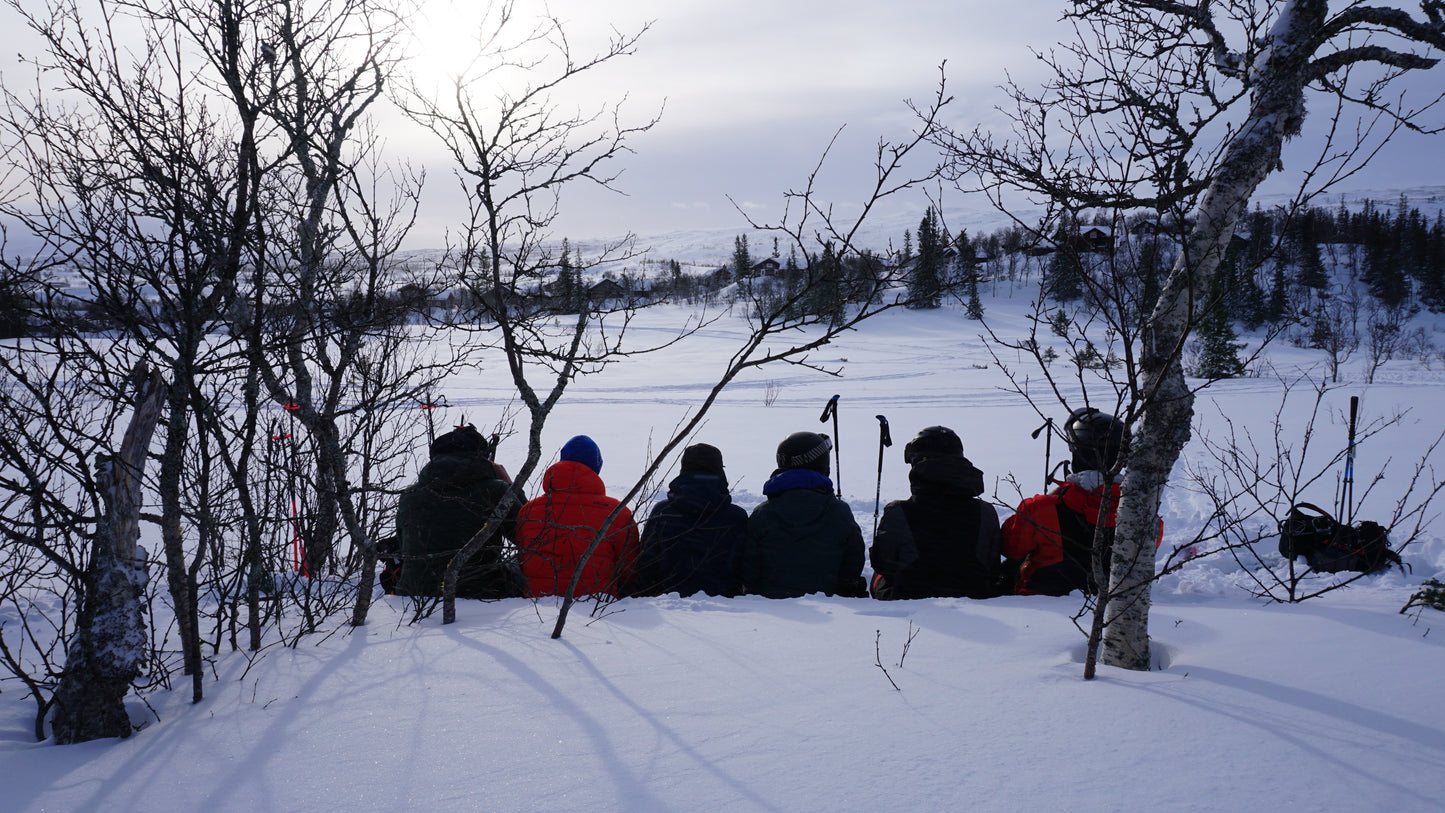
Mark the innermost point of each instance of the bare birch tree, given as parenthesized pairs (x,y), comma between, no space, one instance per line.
(190,169)
(110,645)
(1186,108)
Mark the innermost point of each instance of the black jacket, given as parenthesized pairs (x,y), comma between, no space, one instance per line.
(451,500)
(692,539)
(943,540)
(802,540)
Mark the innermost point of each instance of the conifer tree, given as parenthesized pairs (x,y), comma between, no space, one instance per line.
(1261,237)
(1278,307)
(975,305)
(1432,272)
(1064,277)
(968,264)
(742,258)
(571,295)
(1219,345)
(15,306)
(1306,250)
(924,285)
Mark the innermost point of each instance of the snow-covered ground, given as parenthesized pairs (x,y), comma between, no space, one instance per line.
(666,704)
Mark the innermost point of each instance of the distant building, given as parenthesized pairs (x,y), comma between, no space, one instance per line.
(605,290)
(1096,238)
(766,268)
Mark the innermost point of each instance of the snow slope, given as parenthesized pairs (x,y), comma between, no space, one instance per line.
(751,704)
(673,704)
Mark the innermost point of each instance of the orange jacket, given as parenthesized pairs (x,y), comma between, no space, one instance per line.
(1033,536)
(555,528)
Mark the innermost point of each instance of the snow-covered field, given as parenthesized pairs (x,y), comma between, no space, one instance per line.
(749,704)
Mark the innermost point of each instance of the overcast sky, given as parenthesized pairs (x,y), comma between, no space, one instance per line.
(754,89)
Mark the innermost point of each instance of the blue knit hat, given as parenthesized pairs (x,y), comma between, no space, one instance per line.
(582,449)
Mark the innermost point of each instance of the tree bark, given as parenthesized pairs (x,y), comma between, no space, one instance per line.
(110,644)
(1276,113)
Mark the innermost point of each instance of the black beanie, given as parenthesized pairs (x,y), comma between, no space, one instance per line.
(805,450)
(703,458)
(464,441)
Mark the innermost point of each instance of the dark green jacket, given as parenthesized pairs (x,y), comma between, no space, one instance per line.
(802,540)
(451,500)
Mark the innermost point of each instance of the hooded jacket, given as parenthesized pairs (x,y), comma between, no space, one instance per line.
(452,499)
(802,540)
(1052,535)
(555,528)
(941,541)
(692,539)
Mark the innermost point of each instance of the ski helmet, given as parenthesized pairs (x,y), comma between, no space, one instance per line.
(1096,439)
(932,441)
(805,450)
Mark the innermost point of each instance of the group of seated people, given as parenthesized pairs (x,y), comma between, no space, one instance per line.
(943,541)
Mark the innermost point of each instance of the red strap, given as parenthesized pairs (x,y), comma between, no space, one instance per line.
(1318,510)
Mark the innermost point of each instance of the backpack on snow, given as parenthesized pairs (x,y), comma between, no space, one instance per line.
(388,562)
(1329,546)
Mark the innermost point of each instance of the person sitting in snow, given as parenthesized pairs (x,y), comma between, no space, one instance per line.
(942,540)
(802,539)
(451,500)
(554,529)
(692,539)
(1051,536)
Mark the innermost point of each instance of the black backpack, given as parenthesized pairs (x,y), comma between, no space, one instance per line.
(388,562)
(1329,546)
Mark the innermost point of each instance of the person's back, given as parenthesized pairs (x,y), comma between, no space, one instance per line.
(1051,536)
(802,539)
(942,541)
(554,529)
(453,498)
(692,539)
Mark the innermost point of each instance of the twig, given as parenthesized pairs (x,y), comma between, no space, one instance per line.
(912,633)
(878,658)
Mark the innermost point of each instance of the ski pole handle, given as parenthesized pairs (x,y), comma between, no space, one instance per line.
(1048,448)
(830,410)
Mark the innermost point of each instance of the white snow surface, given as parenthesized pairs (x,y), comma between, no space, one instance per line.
(748,704)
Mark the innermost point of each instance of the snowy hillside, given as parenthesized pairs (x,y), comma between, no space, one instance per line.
(673,704)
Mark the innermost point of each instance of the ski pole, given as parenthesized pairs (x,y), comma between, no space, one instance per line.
(431,432)
(298,545)
(832,409)
(1048,447)
(884,440)
(1347,494)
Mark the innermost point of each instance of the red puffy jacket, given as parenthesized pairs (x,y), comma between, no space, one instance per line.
(554,529)
(1052,535)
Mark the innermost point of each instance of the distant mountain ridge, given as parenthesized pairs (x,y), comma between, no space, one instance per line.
(714,247)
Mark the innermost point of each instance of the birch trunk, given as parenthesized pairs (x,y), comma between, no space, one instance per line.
(1275,114)
(109,648)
